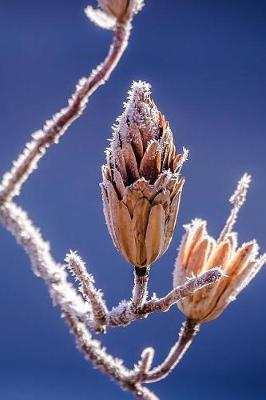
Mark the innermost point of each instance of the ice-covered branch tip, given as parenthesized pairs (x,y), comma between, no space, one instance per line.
(54,128)
(146,360)
(93,296)
(239,196)
(237,200)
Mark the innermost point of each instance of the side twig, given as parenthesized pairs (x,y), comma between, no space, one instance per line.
(193,284)
(90,294)
(142,368)
(237,200)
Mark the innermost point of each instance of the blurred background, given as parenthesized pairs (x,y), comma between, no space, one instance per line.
(206,62)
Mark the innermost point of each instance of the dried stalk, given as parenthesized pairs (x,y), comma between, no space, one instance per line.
(188,330)
(54,128)
(144,364)
(237,200)
(87,288)
(113,367)
(140,293)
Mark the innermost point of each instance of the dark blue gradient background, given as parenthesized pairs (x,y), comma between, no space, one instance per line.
(206,62)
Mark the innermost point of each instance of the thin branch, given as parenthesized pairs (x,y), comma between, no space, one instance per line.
(90,294)
(237,200)
(54,128)
(188,330)
(209,277)
(124,313)
(140,292)
(144,365)
(113,367)
(43,264)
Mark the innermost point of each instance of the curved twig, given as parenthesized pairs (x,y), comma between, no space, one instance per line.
(188,330)
(54,128)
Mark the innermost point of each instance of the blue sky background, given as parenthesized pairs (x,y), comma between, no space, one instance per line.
(206,62)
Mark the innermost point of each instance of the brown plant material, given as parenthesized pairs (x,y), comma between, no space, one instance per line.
(199,252)
(121,10)
(142,185)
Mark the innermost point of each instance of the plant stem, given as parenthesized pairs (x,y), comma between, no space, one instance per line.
(140,292)
(188,331)
(57,126)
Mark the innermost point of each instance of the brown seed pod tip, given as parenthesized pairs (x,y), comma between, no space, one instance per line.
(121,10)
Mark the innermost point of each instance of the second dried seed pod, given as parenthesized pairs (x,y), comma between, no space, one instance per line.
(142,185)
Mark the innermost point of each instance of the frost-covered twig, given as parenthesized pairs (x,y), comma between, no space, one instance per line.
(237,200)
(109,365)
(54,128)
(144,365)
(125,314)
(180,292)
(140,292)
(44,266)
(92,295)
(188,330)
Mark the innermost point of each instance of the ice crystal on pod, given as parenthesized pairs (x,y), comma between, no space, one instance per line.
(141,180)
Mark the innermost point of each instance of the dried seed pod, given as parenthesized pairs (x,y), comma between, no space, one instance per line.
(199,252)
(142,185)
(121,10)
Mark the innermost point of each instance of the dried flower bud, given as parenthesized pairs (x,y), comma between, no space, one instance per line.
(141,181)
(199,252)
(121,10)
